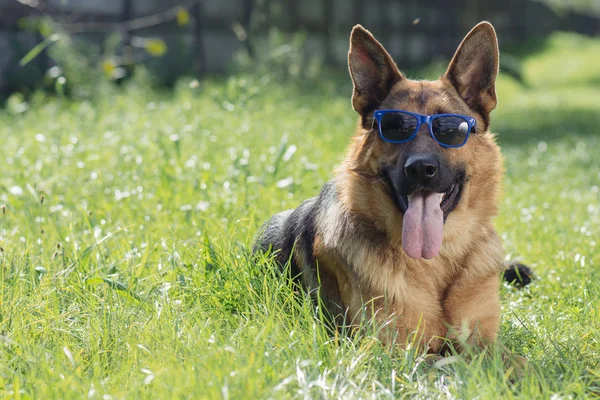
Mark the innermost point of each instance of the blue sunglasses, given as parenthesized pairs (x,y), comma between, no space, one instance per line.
(399,126)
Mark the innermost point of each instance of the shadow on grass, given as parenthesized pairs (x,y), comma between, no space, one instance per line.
(530,125)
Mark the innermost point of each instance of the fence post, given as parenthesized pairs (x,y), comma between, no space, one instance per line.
(198,40)
(358,7)
(126,15)
(247,24)
(328,16)
(292,10)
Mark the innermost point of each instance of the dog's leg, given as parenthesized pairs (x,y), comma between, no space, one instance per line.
(473,311)
(415,319)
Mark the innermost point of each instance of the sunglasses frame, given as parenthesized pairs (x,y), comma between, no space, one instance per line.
(424,119)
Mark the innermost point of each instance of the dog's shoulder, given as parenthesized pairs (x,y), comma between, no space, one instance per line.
(291,234)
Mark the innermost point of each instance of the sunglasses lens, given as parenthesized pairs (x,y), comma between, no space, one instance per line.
(398,126)
(450,130)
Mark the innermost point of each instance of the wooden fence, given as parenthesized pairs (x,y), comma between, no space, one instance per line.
(414,31)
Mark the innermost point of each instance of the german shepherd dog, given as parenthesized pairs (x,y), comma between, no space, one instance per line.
(403,232)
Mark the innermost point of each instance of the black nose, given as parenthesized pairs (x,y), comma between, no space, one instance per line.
(421,169)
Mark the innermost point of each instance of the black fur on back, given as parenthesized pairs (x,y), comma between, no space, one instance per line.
(294,230)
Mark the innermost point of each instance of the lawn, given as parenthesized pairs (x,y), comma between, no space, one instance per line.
(125,270)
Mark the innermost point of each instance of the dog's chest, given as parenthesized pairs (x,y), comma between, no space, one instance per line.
(403,281)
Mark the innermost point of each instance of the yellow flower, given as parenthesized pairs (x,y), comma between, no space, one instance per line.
(108,66)
(183,17)
(156,47)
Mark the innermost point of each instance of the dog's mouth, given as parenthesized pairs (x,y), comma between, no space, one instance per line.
(425,211)
(425,214)
(448,199)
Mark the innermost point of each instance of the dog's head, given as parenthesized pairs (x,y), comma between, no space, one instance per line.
(432,187)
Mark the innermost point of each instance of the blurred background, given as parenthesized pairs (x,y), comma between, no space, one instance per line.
(144,142)
(69,46)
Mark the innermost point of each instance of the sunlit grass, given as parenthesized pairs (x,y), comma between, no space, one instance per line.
(125,268)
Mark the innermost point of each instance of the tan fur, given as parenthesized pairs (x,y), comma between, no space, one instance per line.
(455,294)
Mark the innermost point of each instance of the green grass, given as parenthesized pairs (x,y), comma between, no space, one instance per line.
(125,268)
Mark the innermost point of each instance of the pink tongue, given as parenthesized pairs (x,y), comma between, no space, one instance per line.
(423,225)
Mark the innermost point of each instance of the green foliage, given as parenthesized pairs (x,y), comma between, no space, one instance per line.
(21,78)
(79,64)
(125,267)
(86,62)
(590,7)
(177,61)
(279,56)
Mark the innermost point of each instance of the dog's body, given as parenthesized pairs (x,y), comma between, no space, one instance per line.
(347,243)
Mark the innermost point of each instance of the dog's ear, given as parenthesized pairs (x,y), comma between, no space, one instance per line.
(474,67)
(372,70)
